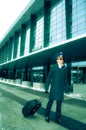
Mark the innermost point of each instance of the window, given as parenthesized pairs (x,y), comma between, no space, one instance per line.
(12,50)
(39,40)
(19,42)
(37,73)
(27,42)
(78,17)
(57,24)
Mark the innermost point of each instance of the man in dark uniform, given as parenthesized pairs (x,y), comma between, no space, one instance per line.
(57,78)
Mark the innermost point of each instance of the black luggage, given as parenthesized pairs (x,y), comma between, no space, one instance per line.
(31,107)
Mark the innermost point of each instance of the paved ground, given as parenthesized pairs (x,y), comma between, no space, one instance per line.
(12,99)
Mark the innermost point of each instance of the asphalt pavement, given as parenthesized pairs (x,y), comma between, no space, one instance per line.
(13,98)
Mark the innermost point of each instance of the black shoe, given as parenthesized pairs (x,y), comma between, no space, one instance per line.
(47,119)
(59,121)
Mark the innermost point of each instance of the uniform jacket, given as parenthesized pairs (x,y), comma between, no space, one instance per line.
(57,80)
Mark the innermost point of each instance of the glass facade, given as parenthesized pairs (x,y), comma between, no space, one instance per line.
(12,50)
(58,23)
(78,17)
(39,39)
(37,74)
(27,42)
(19,42)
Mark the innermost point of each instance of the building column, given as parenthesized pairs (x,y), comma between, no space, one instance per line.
(68,13)
(69,73)
(32,32)
(2,54)
(14,73)
(70,89)
(30,78)
(83,75)
(44,74)
(25,74)
(10,48)
(48,69)
(6,52)
(16,36)
(6,73)
(23,36)
(47,6)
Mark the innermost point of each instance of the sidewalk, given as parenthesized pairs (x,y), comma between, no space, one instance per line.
(12,99)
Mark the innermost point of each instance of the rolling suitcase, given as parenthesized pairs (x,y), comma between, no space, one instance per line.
(31,107)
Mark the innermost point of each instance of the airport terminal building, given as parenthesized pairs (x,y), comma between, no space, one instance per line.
(44,28)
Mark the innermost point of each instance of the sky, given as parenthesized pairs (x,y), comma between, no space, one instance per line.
(9,12)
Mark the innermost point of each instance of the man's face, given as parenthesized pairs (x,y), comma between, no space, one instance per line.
(60,60)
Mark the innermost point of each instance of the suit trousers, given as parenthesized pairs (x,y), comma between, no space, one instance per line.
(58,109)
